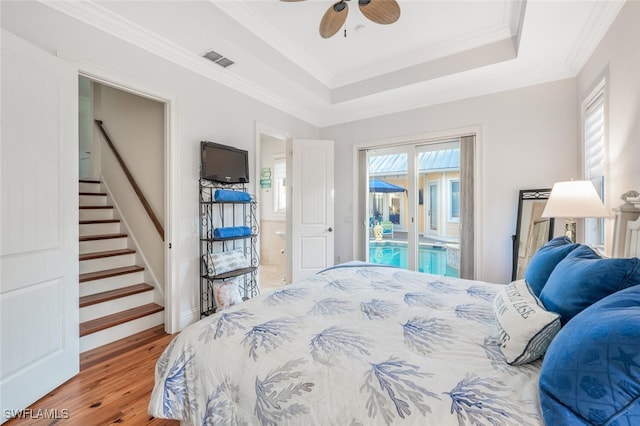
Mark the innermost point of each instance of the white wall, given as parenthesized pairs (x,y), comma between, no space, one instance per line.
(203,109)
(618,56)
(528,140)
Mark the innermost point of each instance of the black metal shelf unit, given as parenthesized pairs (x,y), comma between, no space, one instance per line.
(216,214)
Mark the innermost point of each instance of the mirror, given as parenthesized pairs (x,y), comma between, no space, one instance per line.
(532,230)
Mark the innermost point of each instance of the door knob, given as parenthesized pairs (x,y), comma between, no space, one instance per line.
(330,229)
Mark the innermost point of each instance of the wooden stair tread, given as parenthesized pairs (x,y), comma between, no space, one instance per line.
(88,180)
(98,324)
(106,296)
(98,221)
(95,207)
(97,194)
(102,237)
(106,253)
(107,273)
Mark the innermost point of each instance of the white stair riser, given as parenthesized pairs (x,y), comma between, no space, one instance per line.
(93,340)
(93,200)
(99,228)
(96,214)
(89,187)
(116,305)
(102,263)
(102,245)
(111,283)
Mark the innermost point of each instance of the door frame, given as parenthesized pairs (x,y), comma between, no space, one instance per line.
(262,128)
(174,321)
(359,231)
(427,199)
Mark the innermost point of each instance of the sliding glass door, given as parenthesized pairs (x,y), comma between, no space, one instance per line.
(412,195)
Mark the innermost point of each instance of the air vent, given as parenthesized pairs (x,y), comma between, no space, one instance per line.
(217,58)
(224,62)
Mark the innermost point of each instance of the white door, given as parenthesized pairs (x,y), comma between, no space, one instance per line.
(39,224)
(311,206)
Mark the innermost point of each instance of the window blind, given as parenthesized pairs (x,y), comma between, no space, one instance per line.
(594,145)
(595,158)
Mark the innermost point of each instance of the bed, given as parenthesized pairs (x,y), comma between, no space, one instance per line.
(363,344)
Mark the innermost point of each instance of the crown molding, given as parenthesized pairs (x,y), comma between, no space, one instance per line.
(97,16)
(600,19)
(244,16)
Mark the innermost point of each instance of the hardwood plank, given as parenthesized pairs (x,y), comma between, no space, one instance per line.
(95,207)
(112,391)
(108,351)
(105,296)
(107,273)
(89,180)
(105,322)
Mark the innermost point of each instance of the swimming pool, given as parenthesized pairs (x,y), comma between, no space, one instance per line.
(431,259)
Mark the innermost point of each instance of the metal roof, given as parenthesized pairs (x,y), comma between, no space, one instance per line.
(428,162)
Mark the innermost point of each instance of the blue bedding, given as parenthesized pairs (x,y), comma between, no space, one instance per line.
(361,345)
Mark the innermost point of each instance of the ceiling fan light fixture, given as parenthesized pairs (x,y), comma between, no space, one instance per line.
(333,19)
(378,11)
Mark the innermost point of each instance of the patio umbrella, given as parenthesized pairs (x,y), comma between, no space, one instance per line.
(376,185)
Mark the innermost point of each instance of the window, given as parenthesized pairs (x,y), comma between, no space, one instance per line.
(279,184)
(454,200)
(594,145)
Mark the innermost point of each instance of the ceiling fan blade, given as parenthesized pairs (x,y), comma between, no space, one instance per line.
(380,11)
(333,19)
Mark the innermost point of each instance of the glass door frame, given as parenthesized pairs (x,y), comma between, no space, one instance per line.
(416,181)
(410,225)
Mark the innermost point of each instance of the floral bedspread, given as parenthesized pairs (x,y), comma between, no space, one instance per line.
(353,345)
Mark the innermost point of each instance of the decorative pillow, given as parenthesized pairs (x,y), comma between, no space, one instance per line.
(525,327)
(222,262)
(591,372)
(545,260)
(226,294)
(583,277)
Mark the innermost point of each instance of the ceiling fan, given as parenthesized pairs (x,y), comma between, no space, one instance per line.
(378,11)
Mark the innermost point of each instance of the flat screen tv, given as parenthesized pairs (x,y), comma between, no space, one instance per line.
(222,163)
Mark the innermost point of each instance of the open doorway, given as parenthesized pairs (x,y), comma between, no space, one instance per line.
(122,166)
(272,187)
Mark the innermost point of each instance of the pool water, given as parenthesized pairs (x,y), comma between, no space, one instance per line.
(431,259)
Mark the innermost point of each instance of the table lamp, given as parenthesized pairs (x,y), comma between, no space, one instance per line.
(571,200)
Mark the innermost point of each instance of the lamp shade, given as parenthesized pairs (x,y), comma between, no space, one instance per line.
(574,199)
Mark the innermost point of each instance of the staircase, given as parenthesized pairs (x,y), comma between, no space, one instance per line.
(115,302)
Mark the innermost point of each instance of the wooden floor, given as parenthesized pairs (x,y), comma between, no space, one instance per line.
(113,387)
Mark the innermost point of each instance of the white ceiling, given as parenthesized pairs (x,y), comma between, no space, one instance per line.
(438,51)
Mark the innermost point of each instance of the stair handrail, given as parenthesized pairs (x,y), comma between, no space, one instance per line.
(132,181)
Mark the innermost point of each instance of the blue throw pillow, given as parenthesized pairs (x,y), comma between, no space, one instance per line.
(591,371)
(545,260)
(583,277)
